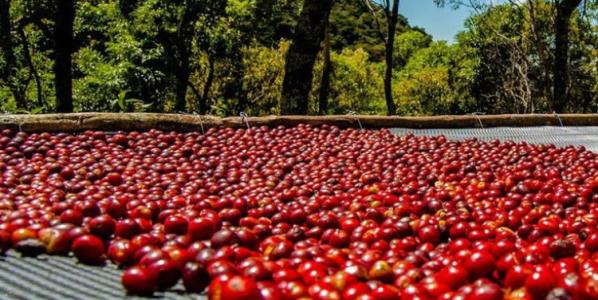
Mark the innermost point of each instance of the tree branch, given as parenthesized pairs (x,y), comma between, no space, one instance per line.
(380,31)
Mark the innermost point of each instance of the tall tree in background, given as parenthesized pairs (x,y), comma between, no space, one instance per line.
(541,47)
(391,14)
(64,19)
(172,28)
(560,68)
(181,51)
(221,44)
(183,48)
(274,20)
(326,73)
(392,17)
(302,54)
(564,10)
(17,86)
(6,44)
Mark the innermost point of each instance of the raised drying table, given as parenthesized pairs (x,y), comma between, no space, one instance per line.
(51,277)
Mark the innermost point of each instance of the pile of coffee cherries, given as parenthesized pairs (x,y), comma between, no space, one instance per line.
(308,212)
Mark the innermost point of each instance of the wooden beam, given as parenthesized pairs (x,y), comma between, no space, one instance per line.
(145,121)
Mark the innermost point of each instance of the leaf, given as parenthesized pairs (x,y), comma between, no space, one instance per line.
(121,100)
(37,110)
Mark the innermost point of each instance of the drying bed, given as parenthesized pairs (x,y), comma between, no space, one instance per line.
(586,136)
(55,277)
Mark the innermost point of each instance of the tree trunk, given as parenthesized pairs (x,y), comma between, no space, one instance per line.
(182,79)
(63,47)
(203,102)
(392,20)
(183,71)
(565,9)
(541,48)
(6,40)
(326,73)
(32,69)
(302,54)
(242,100)
(10,63)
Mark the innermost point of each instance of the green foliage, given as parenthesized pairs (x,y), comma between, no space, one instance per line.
(357,83)
(429,84)
(274,20)
(407,43)
(263,81)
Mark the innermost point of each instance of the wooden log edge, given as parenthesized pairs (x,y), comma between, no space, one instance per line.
(144,121)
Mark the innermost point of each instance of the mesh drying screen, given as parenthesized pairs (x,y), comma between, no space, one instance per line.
(559,136)
(62,278)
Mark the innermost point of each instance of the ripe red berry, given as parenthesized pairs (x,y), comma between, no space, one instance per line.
(89,249)
(201,229)
(236,287)
(195,277)
(103,226)
(139,280)
(429,234)
(591,242)
(114,178)
(485,290)
(453,276)
(175,224)
(168,273)
(127,229)
(120,252)
(223,237)
(540,282)
(479,264)
(72,216)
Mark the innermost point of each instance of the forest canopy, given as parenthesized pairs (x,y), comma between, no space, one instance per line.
(225,57)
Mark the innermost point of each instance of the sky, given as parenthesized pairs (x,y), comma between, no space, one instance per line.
(442,23)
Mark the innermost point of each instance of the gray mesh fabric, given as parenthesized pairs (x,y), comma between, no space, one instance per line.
(54,277)
(49,277)
(559,136)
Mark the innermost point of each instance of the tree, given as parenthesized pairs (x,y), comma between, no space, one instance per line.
(564,10)
(64,18)
(302,54)
(181,46)
(219,41)
(326,73)
(353,26)
(17,85)
(503,80)
(356,83)
(274,20)
(432,80)
(172,30)
(408,43)
(391,14)
(534,8)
